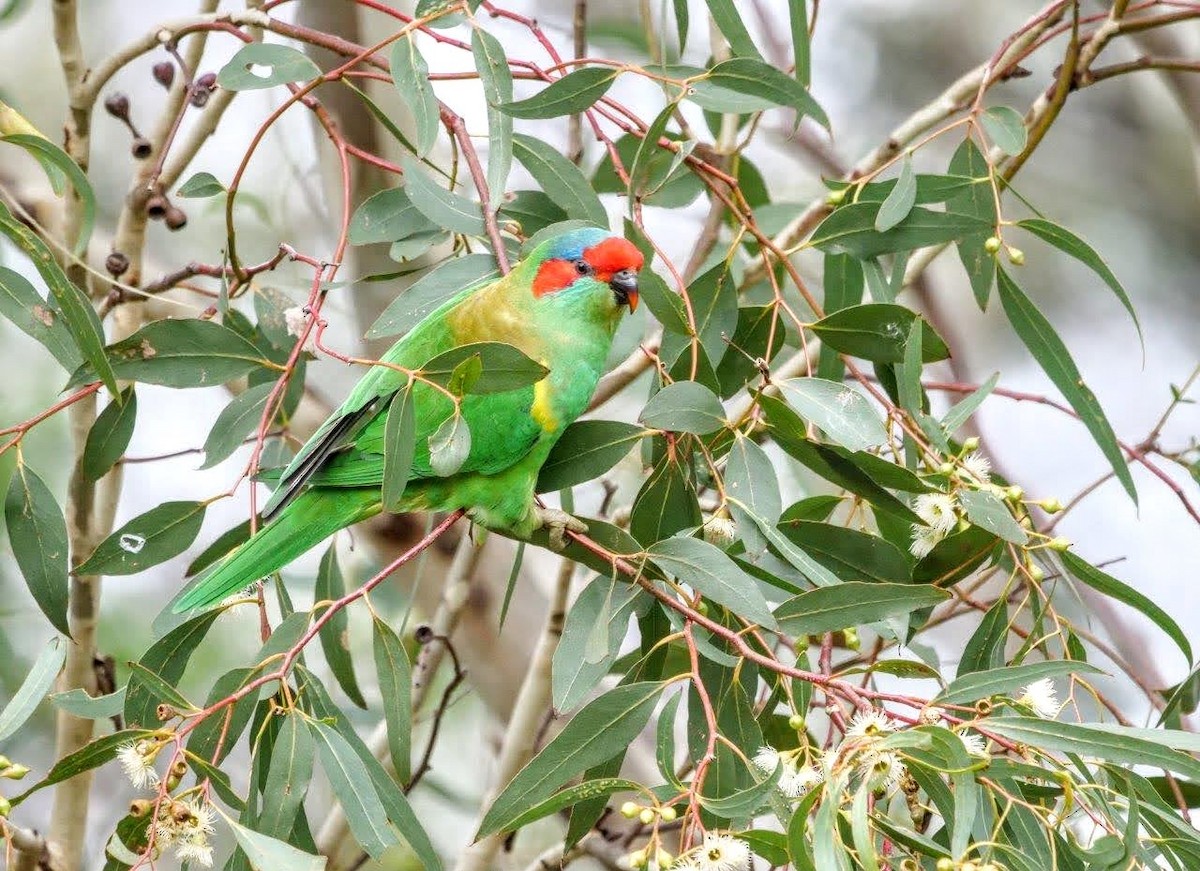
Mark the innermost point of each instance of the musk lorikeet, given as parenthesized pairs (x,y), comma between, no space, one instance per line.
(560,306)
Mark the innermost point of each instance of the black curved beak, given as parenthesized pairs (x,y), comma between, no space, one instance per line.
(624,285)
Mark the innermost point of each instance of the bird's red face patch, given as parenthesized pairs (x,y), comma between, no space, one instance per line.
(601,262)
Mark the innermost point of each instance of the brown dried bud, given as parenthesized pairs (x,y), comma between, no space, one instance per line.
(139,807)
(164,73)
(202,88)
(180,812)
(117,105)
(423,634)
(141,147)
(165,712)
(156,207)
(176,218)
(179,769)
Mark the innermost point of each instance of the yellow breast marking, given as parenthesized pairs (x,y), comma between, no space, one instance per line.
(542,409)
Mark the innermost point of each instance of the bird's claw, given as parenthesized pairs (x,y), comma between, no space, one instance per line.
(558,522)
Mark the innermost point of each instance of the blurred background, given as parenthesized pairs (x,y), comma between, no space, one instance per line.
(1118,167)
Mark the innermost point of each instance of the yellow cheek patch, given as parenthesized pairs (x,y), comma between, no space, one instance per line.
(542,409)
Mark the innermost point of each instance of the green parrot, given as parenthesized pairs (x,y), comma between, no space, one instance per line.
(560,306)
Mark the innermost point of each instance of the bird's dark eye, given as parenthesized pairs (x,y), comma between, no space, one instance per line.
(583,267)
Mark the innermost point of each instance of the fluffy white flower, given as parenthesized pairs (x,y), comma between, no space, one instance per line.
(925,539)
(296,319)
(766,759)
(191,834)
(931,715)
(137,760)
(722,853)
(938,510)
(979,466)
(1041,696)
(795,784)
(882,769)
(871,724)
(195,851)
(974,743)
(685,863)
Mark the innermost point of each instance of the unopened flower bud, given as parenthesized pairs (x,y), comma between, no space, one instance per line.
(5,762)
(1014,492)
(202,88)
(117,264)
(629,810)
(945,864)
(164,73)
(1037,573)
(991,245)
(1051,506)
(646,817)
(117,105)
(668,815)
(663,858)
(15,772)
(946,468)
(797,723)
(1017,258)
(971,444)
(833,198)
(968,866)
(636,859)
(175,219)
(5,806)
(1059,544)
(702,608)
(851,637)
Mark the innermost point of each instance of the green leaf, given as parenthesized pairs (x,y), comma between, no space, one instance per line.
(977,200)
(387,216)
(74,306)
(283,65)
(585,451)
(352,786)
(1095,742)
(877,332)
(533,210)
(109,436)
(449,446)
(38,681)
(431,290)
(1054,358)
(708,570)
(288,775)
(563,799)
(985,647)
(801,59)
(496,78)
(395,686)
(1006,128)
(664,743)
(729,21)
(560,179)
(1066,241)
(399,445)
(860,827)
(444,208)
(37,318)
(504,367)
(78,703)
(335,634)
(750,480)
(843,413)
(1105,583)
(37,534)
(160,688)
(411,75)
(47,153)
(235,422)
(270,854)
(962,411)
(222,730)
(180,353)
(571,94)
(755,78)
(92,755)
(665,504)
(986,509)
(955,556)
(603,728)
(149,539)
(851,229)
(994,681)
(685,406)
(200,185)
(715,305)
(900,201)
(744,802)
(166,658)
(848,553)
(854,603)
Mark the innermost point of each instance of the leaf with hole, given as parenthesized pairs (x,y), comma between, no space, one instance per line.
(150,538)
(265,65)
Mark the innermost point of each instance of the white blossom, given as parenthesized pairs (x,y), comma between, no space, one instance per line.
(925,539)
(1041,697)
(766,759)
(938,510)
(871,724)
(979,466)
(796,783)
(137,759)
(931,715)
(882,769)
(191,834)
(296,319)
(722,853)
(974,743)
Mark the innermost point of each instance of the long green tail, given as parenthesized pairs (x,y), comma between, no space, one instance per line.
(308,520)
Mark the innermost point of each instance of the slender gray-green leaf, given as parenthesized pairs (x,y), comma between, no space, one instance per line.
(166,658)
(432,290)
(744,802)
(853,603)
(843,413)
(78,703)
(685,406)
(707,569)
(38,681)
(265,65)
(586,450)
(395,686)
(201,185)
(387,216)
(399,445)
(37,318)
(352,786)
(37,534)
(335,634)
(494,74)
(602,729)
(851,229)
(444,208)
(561,800)
(591,639)
(560,179)
(750,480)
(988,510)
(411,75)
(569,95)
(1006,128)
(901,200)
(288,775)
(1054,358)
(50,154)
(91,755)
(271,854)
(109,436)
(962,411)
(801,53)
(755,78)
(149,539)
(729,21)
(235,422)
(993,681)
